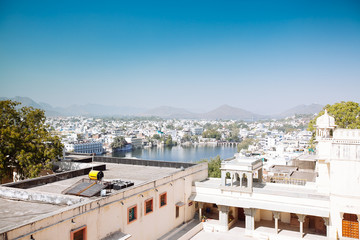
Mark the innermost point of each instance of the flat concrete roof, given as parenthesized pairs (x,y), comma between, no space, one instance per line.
(308,176)
(282,168)
(15,211)
(307,157)
(77,157)
(279,189)
(134,173)
(246,161)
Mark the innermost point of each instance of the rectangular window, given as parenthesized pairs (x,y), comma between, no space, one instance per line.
(163,199)
(132,214)
(78,234)
(177,211)
(350,226)
(148,206)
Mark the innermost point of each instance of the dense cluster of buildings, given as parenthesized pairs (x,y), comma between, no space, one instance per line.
(80,133)
(140,199)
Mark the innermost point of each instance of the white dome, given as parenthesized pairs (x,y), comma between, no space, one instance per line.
(325,121)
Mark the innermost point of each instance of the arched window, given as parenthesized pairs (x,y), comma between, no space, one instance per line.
(237,179)
(244,180)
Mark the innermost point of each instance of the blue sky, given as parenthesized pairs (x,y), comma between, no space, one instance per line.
(263,56)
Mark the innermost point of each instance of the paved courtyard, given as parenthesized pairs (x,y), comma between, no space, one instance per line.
(264,230)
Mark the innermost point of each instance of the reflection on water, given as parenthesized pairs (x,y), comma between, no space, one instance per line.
(179,153)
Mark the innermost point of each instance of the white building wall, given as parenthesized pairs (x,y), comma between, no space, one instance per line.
(344,178)
(110,214)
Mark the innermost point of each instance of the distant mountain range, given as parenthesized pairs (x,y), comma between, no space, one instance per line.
(227,112)
(302,109)
(169,112)
(224,112)
(79,110)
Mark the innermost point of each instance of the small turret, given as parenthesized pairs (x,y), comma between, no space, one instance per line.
(325,126)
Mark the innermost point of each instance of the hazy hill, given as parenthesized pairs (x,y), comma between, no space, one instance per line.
(224,112)
(28,102)
(169,112)
(77,110)
(101,110)
(302,109)
(228,112)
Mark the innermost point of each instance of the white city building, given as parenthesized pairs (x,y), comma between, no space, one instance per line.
(328,208)
(85,147)
(197,130)
(135,142)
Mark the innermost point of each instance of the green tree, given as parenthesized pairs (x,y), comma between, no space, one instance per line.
(26,146)
(214,165)
(186,138)
(195,138)
(211,133)
(156,136)
(233,136)
(118,142)
(245,144)
(168,141)
(346,114)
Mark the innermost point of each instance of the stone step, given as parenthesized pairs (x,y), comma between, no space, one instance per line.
(208,227)
(260,236)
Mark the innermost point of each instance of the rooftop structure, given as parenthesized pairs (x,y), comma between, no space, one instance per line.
(325,203)
(157,202)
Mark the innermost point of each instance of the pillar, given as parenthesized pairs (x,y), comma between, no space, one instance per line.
(276,218)
(240,178)
(326,222)
(301,221)
(223,178)
(250,180)
(232,178)
(201,205)
(260,175)
(249,220)
(223,217)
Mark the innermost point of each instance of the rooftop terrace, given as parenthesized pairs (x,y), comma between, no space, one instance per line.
(25,201)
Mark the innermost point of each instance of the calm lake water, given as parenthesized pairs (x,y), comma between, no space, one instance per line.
(179,153)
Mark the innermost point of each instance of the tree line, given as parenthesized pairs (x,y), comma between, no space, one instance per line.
(26,146)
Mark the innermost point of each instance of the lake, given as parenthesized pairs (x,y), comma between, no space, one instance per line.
(179,153)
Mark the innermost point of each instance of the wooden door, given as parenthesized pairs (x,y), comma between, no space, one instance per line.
(350,226)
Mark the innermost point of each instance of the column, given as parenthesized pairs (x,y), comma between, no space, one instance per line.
(223,217)
(201,205)
(250,180)
(301,221)
(276,218)
(240,178)
(326,222)
(249,220)
(232,178)
(223,178)
(260,175)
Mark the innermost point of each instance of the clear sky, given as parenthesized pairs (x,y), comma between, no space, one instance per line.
(262,56)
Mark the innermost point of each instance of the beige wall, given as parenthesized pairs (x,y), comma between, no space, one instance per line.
(285,217)
(266,215)
(107,215)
